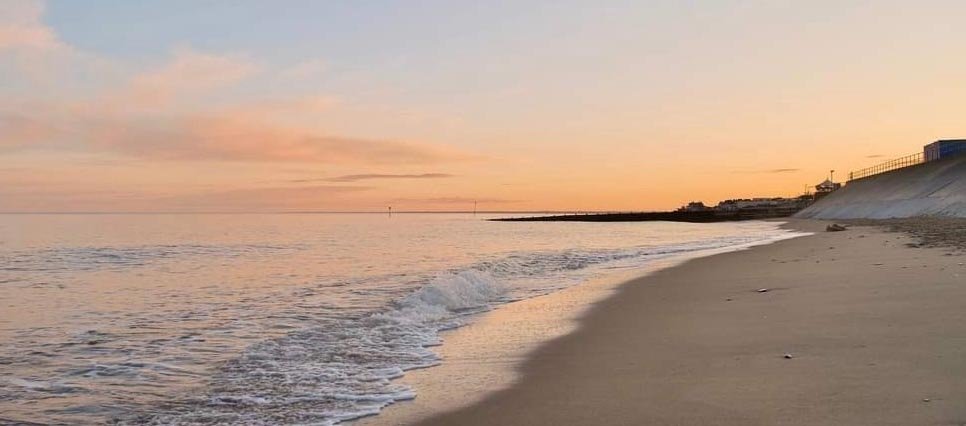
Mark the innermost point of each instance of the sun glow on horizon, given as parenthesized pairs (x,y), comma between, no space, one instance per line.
(437,105)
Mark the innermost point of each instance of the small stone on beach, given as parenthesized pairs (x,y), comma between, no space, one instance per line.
(787,356)
(762,290)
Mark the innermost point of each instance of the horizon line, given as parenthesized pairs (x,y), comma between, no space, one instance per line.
(316,212)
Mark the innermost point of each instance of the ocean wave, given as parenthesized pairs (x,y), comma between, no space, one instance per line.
(337,371)
(345,369)
(323,351)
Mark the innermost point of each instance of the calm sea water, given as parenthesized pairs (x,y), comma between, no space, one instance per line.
(274,318)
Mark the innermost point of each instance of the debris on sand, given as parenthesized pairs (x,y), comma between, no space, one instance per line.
(929,231)
(762,290)
(787,356)
(834,228)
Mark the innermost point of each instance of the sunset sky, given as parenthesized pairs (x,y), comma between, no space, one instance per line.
(356,105)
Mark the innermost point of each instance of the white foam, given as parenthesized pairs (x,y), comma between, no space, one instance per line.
(445,295)
(344,368)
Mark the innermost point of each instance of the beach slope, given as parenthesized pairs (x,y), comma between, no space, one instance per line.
(854,327)
(935,188)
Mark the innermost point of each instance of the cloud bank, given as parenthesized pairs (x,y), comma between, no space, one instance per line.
(186,108)
(378,176)
(456,200)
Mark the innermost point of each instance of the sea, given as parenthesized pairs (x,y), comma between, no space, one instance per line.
(274,319)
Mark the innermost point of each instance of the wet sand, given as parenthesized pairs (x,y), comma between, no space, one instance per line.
(856,327)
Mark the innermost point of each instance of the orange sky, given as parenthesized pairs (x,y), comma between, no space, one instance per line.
(572,106)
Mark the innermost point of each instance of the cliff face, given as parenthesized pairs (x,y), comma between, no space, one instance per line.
(936,188)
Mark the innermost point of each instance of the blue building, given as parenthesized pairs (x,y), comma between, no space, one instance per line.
(944,148)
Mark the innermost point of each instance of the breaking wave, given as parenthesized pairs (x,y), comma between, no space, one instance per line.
(307,330)
(344,369)
(340,370)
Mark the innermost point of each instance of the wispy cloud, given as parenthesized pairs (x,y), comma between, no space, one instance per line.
(769,171)
(186,76)
(375,176)
(456,200)
(210,136)
(875,156)
(160,114)
(185,111)
(21,27)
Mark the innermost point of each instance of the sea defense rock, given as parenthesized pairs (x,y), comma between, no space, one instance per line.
(834,228)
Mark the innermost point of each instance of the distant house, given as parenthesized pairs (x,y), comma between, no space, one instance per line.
(747,208)
(827,186)
(944,148)
(695,206)
(755,203)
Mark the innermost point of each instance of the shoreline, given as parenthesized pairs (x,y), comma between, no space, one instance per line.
(484,356)
(871,327)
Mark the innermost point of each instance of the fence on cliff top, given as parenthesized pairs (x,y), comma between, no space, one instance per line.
(898,163)
(901,162)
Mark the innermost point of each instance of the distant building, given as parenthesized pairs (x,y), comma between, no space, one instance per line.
(944,148)
(747,208)
(695,206)
(827,186)
(756,203)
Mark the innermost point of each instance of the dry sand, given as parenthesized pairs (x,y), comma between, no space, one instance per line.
(875,331)
(928,231)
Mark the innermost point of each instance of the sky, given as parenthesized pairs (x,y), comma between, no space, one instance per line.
(234,105)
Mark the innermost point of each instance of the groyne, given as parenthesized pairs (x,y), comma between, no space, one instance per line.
(675,216)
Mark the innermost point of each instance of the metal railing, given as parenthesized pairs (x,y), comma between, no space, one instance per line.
(898,163)
(909,160)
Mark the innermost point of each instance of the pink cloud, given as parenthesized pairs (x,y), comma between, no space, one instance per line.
(160,114)
(19,130)
(184,110)
(456,200)
(208,136)
(225,137)
(188,74)
(380,176)
(21,27)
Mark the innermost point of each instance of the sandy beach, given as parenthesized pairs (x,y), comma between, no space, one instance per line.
(857,327)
